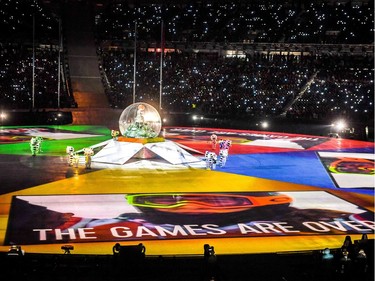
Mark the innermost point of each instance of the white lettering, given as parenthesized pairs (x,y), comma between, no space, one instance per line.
(246,228)
(315,226)
(356,225)
(266,227)
(369,224)
(42,233)
(121,232)
(144,231)
(70,232)
(284,228)
(213,229)
(193,229)
(177,230)
(83,232)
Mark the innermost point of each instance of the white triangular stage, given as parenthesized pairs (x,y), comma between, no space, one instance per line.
(122,152)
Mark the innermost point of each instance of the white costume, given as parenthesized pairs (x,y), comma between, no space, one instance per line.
(210,158)
(89,152)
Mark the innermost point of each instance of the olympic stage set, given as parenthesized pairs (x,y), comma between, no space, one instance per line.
(278,193)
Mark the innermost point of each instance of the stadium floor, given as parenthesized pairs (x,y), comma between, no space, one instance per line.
(277,192)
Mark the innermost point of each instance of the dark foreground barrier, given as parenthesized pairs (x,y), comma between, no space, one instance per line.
(353,263)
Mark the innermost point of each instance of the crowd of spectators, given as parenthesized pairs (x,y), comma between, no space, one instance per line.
(344,87)
(312,86)
(26,20)
(240,21)
(29,54)
(25,81)
(258,85)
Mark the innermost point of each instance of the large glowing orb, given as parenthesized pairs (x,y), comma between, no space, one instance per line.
(140,120)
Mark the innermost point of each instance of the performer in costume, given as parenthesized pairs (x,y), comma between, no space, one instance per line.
(213,141)
(88,152)
(224,151)
(140,128)
(70,152)
(139,117)
(210,158)
(115,134)
(223,155)
(75,159)
(34,146)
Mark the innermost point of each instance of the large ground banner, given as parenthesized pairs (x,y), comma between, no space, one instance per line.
(49,219)
(350,170)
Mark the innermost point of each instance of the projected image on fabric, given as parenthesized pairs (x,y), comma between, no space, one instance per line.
(350,170)
(249,138)
(152,216)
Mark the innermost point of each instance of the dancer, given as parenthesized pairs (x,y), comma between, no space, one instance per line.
(88,152)
(213,141)
(210,158)
(36,145)
(224,152)
(70,152)
(115,134)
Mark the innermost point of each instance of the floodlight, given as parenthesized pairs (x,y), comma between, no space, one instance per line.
(15,250)
(130,252)
(339,125)
(344,255)
(67,248)
(264,124)
(361,254)
(209,252)
(326,254)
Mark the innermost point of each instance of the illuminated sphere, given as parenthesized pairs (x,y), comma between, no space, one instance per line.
(140,120)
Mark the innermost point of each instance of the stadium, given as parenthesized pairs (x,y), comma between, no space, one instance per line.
(227,140)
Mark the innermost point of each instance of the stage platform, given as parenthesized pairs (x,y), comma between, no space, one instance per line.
(277,193)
